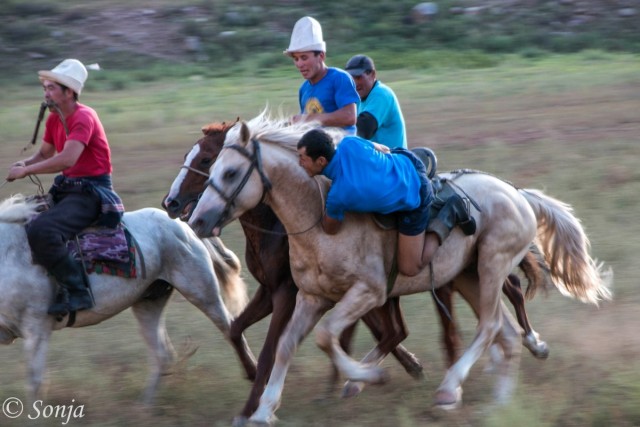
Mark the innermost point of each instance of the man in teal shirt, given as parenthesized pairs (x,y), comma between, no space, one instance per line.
(379,115)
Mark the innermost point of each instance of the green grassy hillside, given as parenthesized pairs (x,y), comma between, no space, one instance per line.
(567,124)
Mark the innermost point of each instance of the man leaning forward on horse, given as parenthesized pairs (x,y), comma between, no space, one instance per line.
(369,177)
(74,145)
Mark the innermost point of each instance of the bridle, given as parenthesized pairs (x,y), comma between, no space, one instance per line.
(255,162)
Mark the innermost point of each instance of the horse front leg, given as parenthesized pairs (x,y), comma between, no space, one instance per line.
(259,307)
(358,300)
(346,343)
(308,311)
(283,302)
(388,327)
(36,345)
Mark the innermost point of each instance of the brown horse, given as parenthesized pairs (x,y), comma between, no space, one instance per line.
(267,258)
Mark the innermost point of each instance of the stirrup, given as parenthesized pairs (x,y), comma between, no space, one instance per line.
(468,227)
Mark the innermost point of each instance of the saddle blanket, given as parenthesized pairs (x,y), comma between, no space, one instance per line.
(105,251)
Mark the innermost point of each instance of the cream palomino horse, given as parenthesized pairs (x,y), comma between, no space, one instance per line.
(348,271)
(173,257)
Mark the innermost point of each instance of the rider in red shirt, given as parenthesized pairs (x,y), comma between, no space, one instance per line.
(75,146)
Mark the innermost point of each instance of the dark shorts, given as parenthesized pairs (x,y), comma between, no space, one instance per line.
(414,222)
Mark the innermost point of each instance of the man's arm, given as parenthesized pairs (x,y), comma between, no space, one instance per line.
(52,164)
(343,117)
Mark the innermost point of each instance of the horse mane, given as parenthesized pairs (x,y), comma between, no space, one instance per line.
(279,130)
(216,127)
(19,209)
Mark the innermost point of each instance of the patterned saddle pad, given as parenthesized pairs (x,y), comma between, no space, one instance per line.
(105,251)
(102,250)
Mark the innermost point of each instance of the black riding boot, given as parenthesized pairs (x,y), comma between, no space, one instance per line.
(70,275)
(454,212)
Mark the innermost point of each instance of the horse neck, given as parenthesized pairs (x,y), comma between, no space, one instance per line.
(294,197)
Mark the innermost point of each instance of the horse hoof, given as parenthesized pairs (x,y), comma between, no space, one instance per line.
(537,348)
(239,421)
(256,423)
(448,400)
(417,375)
(352,389)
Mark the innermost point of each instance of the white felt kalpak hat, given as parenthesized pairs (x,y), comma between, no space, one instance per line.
(70,73)
(306,36)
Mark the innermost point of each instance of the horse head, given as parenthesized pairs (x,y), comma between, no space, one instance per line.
(191,181)
(236,184)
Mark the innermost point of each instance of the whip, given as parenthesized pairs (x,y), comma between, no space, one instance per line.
(43,108)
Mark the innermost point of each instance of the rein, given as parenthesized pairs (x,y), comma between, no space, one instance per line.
(194,170)
(280,233)
(43,108)
(255,161)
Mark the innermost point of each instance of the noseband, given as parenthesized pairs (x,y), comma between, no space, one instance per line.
(255,162)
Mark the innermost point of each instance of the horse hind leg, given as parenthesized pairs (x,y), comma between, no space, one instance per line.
(485,301)
(507,368)
(530,338)
(496,331)
(538,275)
(148,313)
(443,299)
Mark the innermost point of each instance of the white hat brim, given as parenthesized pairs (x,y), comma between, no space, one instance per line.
(67,81)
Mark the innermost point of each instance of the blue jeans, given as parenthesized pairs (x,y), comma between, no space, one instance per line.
(414,222)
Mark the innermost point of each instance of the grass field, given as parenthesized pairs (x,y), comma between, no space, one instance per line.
(566,124)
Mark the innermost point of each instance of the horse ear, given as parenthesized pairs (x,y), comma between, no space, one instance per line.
(245,134)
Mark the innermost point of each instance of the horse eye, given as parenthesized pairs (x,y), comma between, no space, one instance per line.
(206,162)
(229,174)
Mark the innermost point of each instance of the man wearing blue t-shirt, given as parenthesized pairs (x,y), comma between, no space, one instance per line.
(328,94)
(368,177)
(379,115)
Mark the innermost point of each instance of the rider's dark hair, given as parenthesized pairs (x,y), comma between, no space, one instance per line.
(317,143)
(75,94)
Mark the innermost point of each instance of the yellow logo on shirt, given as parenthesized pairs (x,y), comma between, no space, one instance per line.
(313,106)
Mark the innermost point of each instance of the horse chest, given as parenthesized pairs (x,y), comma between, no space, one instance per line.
(320,279)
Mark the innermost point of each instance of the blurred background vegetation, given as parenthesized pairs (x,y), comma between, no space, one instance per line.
(152,39)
